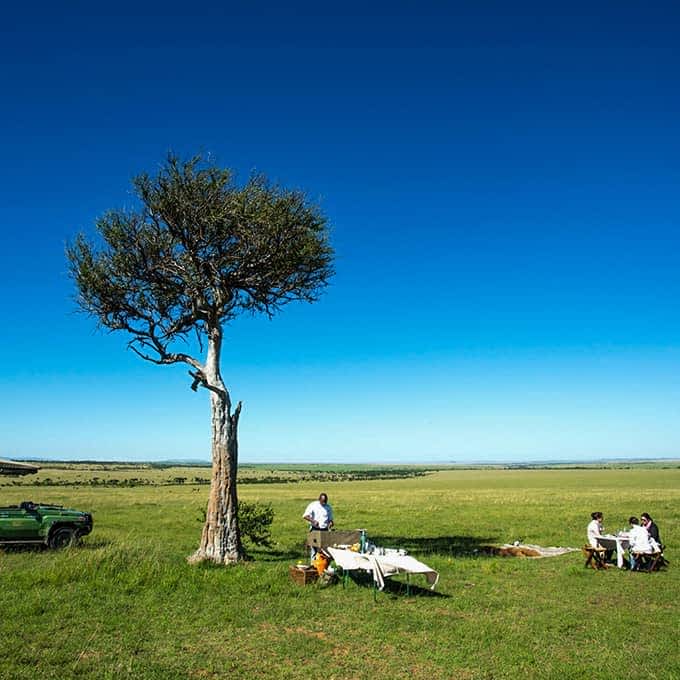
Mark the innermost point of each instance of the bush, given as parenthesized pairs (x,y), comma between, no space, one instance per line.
(254,521)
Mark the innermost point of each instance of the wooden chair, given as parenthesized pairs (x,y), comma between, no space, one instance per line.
(656,561)
(594,557)
(649,561)
(661,561)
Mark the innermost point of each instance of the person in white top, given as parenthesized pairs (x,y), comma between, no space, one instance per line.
(319,514)
(595,529)
(638,540)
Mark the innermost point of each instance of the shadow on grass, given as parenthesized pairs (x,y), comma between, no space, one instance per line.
(393,587)
(40,547)
(22,547)
(457,546)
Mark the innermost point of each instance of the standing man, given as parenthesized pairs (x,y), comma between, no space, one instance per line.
(319,514)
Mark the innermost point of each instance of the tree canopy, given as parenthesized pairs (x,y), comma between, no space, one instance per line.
(198,252)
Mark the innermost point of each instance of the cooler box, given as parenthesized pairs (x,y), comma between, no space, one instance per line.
(325,539)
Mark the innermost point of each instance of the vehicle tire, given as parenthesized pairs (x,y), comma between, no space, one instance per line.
(62,538)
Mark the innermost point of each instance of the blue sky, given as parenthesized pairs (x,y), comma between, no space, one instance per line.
(503,190)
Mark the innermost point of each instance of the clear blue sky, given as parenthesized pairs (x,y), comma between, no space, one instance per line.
(504,191)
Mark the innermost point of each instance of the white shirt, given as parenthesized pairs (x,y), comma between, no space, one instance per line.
(320,515)
(638,538)
(594,530)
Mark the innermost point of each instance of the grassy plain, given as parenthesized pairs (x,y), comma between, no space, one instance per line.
(126,605)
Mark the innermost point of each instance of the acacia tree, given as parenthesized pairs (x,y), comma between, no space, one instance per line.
(198,252)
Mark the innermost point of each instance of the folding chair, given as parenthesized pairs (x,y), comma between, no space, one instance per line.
(594,557)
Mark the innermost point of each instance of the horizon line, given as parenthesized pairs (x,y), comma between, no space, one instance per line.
(200,462)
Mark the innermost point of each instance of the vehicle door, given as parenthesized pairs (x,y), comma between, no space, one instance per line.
(20,524)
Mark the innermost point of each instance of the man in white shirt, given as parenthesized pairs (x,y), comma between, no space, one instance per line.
(319,514)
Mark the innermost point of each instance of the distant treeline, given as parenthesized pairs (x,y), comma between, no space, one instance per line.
(314,476)
(594,466)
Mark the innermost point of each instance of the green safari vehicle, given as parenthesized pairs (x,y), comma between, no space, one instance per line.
(51,525)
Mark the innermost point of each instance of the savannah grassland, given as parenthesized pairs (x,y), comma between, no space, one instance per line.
(125,604)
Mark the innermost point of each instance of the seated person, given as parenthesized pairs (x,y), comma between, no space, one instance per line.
(648,523)
(638,540)
(594,531)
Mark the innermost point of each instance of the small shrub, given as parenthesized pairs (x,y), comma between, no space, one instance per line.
(254,520)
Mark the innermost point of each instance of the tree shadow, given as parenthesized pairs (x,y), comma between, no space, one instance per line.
(449,546)
(456,546)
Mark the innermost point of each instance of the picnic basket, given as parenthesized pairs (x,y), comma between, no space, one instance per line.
(302,574)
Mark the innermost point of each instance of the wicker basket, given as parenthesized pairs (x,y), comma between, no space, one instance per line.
(302,575)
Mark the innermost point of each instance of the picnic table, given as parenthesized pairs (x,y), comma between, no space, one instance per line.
(383,566)
(619,543)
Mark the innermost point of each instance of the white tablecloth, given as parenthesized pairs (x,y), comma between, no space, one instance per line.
(383,566)
(618,543)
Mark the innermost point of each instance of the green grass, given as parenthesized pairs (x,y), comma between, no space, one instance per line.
(126,604)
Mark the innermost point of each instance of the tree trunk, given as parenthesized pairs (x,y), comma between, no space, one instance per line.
(221,538)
